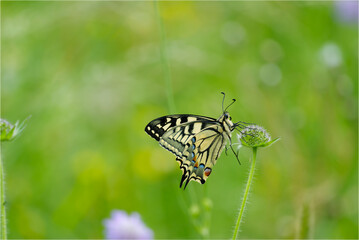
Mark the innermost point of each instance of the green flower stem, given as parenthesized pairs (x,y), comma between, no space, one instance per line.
(164,60)
(2,202)
(249,181)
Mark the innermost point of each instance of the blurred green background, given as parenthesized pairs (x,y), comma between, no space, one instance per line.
(91,76)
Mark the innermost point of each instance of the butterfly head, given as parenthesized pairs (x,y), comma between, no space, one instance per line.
(226,120)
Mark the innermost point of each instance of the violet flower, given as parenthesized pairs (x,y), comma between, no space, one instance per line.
(123,226)
(346,11)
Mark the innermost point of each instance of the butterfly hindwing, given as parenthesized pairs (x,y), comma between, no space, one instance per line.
(203,150)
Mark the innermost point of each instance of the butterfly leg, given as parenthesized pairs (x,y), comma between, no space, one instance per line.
(225,150)
(236,154)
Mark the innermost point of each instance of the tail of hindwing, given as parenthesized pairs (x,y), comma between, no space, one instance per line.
(189,173)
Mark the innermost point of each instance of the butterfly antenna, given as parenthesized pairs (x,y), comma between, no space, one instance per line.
(224,95)
(230,104)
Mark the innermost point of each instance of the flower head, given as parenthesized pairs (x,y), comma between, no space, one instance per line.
(9,131)
(346,11)
(123,226)
(255,136)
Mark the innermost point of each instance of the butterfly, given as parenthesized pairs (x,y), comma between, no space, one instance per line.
(197,141)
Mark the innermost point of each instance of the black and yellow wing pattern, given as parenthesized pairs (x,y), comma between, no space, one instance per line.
(197,142)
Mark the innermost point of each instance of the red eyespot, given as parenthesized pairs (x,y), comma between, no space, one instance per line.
(207,171)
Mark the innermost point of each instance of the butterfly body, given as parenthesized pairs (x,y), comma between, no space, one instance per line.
(197,141)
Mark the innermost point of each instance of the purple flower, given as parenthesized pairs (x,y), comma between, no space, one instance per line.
(123,226)
(347,11)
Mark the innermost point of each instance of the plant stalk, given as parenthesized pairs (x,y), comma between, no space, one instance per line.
(249,181)
(2,202)
(164,60)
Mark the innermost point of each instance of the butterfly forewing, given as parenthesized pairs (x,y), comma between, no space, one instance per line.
(156,128)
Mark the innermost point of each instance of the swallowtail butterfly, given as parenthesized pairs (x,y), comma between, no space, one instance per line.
(197,141)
